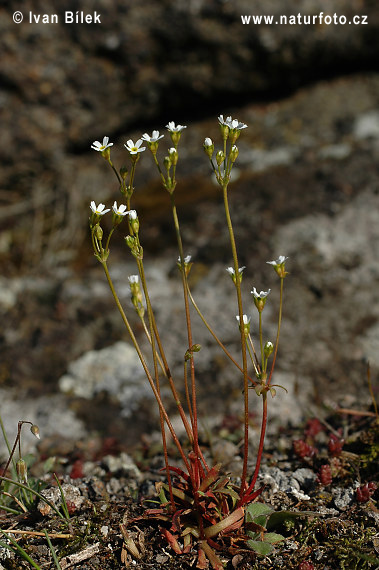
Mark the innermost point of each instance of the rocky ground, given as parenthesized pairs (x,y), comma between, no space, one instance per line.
(319,479)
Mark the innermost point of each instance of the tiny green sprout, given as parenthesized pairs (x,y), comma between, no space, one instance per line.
(279,266)
(260,298)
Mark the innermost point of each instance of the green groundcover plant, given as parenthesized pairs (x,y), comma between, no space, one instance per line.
(199,506)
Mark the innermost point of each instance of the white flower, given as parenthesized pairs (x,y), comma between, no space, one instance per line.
(231,271)
(153,138)
(225,122)
(96,145)
(132,214)
(235,124)
(134,148)
(208,142)
(281,259)
(261,294)
(187,259)
(172,128)
(231,123)
(99,210)
(246,319)
(133,278)
(119,211)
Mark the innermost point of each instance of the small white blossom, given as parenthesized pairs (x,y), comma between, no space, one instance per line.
(134,148)
(231,123)
(133,278)
(153,138)
(281,259)
(96,145)
(187,259)
(235,124)
(231,271)
(246,319)
(119,211)
(225,122)
(172,128)
(208,142)
(99,210)
(261,294)
(132,214)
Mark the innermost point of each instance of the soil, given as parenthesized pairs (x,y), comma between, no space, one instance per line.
(338,453)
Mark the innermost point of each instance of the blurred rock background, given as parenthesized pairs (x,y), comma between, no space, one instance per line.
(306,186)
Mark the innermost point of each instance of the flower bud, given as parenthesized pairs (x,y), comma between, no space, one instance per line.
(99,232)
(209,147)
(220,157)
(133,220)
(22,471)
(173,154)
(246,324)
(130,241)
(187,264)
(35,431)
(167,163)
(233,153)
(268,349)
(123,172)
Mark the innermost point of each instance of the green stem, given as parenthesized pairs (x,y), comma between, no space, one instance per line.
(189,327)
(243,343)
(261,340)
(156,374)
(278,331)
(260,447)
(144,365)
(221,345)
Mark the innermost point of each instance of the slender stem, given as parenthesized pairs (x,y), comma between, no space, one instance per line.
(144,365)
(189,327)
(243,343)
(156,374)
(188,398)
(278,331)
(260,447)
(261,340)
(221,345)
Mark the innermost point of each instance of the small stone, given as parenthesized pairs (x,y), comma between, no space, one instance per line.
(343,498)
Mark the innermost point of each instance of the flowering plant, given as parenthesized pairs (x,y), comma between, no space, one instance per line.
(199,504)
